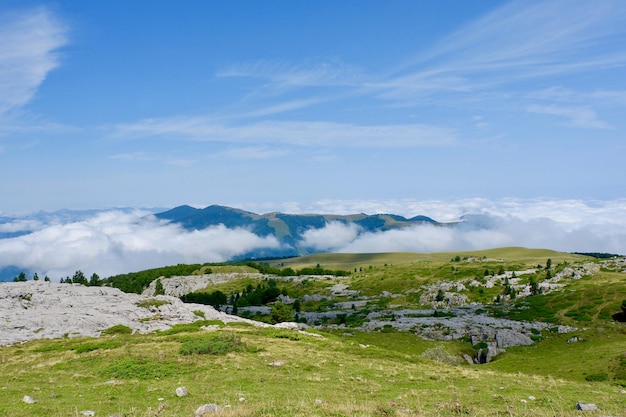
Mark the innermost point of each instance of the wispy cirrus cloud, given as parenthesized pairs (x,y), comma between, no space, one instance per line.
(252,152)
(132,156)
(578,116)
(297,133)
(331,73)
(30,41)
(568,95)
(517,41)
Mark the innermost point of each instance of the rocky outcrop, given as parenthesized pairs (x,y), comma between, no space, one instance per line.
(178,286)
(45,310)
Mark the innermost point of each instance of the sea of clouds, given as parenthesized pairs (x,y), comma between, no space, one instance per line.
(120,241)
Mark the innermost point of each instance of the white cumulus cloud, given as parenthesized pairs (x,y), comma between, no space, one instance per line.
(332,237)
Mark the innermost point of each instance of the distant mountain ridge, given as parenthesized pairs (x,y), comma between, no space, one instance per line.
(287,228)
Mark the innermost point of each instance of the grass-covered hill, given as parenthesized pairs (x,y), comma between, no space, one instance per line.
(357,357)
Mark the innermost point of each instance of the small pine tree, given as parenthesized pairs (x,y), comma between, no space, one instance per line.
(158,288)
(94,281)
(79,278)
(534,286)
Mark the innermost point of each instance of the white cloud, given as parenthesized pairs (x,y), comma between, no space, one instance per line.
(30,41)
(325,134)
(481,233)
(332,237)
(115,242)
(579,116)
(566,225)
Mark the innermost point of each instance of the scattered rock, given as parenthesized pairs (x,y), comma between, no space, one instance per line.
(88,413)
(182,392)
(531,398)
(574,339)
(587,407)
(207,409)
(112,382)
(289,325)
(318,401)
(277,363)
(28,399)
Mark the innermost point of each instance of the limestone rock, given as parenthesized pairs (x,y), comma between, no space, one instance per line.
(28,399)
(88,413)
(177,286)
(207,409)
(289,325)
(182,392)
(508,338)
(587,407)
(73,310)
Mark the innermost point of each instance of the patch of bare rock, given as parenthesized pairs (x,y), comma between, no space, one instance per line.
(178,286)
(46,310)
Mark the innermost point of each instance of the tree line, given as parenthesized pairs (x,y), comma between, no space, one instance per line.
(264,268)
(78,278)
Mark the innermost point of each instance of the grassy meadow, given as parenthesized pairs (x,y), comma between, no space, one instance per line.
(250,371)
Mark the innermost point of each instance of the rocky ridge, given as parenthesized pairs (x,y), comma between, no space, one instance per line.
(46,310)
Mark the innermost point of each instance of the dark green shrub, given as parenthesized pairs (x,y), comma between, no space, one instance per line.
(597,377)
(117,329)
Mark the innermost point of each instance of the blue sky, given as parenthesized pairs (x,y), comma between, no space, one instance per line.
(511,112)
(160,103)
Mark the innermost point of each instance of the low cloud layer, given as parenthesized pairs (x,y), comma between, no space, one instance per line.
(475,233)
(114,242)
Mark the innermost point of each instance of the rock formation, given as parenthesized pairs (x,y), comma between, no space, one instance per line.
(46,310)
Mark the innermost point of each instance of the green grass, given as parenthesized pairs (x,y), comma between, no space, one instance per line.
(346,373)
(333,376)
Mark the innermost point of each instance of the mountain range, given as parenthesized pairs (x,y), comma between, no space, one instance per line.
(287,228)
